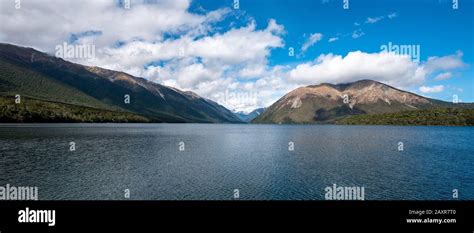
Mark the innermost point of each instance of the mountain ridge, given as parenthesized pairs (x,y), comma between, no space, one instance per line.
(51,83)
(248,117)
(329,103)
(38,75)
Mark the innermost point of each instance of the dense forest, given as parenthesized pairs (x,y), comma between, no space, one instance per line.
(437,116)
(39,111)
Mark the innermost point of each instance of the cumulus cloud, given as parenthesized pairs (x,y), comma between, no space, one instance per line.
(385,67)
(236,46)
(43,24)
(389,68)
(264,91)
(433,89)
(209,65)
(243,50)
(160,40)
(163,41)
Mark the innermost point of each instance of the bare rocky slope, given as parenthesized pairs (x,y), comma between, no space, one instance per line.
(327,103)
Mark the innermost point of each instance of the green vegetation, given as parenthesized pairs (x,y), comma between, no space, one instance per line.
(15,79)
(54,90)
(436,116)
(42,77)
(39,111)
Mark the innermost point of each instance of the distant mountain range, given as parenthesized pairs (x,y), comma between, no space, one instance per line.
(47,84)
(329,103)
(50,89)
(248,117)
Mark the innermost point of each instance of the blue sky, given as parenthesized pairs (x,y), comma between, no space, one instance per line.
(240,57)
(433,24)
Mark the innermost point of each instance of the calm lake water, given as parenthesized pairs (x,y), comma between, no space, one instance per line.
(219,158)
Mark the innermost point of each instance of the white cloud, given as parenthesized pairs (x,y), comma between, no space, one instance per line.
(372,20)
(195,73)
(392,15)
(357,33)
(246,96)
(252,71)
(433,89)
(211,65)
(313,39)
(43,24)
(443,76)
(159,40)
(389,68)
(239,46)
(450,62)
(274,27)
(166,43)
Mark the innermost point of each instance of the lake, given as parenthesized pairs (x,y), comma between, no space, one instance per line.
(218,161)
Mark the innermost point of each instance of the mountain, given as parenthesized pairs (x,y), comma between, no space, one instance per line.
(329,103)
(248,117)
(53,83)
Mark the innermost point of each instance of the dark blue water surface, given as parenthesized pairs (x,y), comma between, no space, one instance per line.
(220,158)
